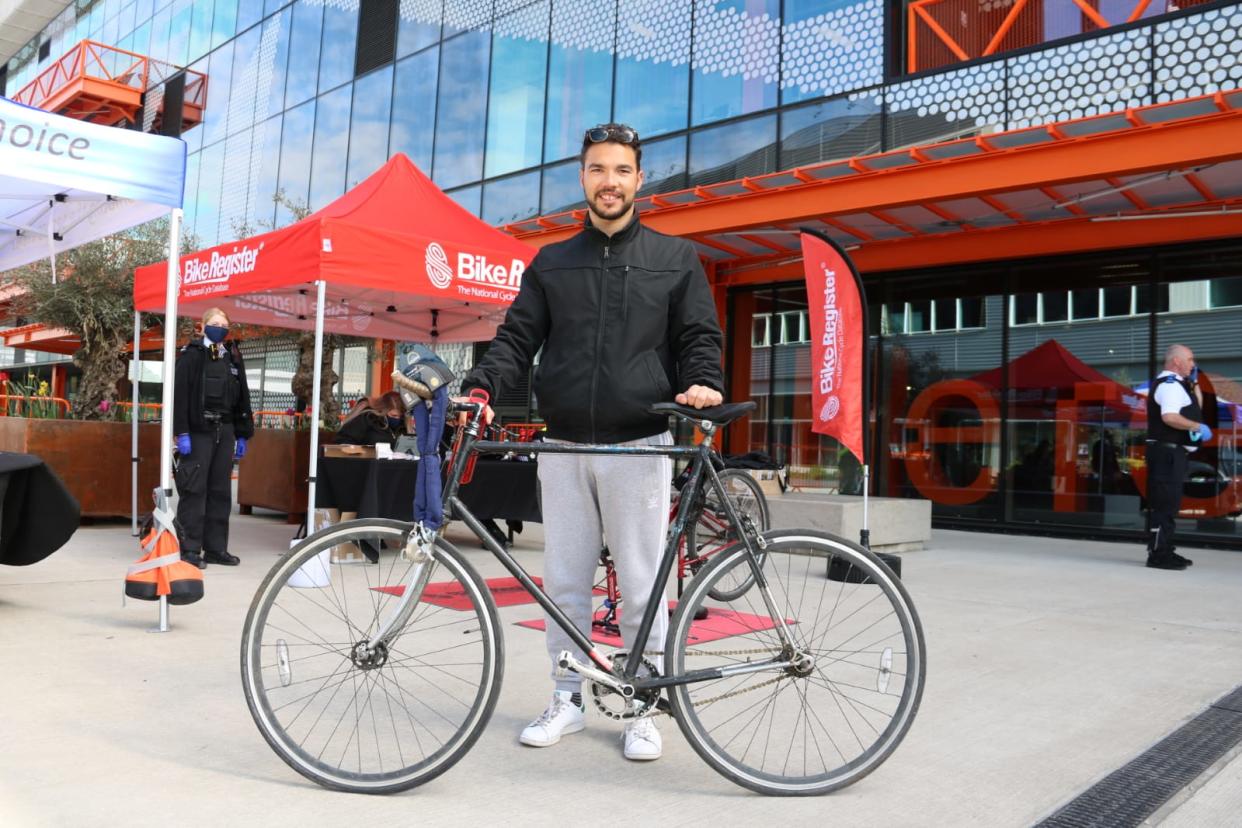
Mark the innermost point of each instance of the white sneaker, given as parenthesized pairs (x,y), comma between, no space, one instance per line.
(642,740)
(560,719)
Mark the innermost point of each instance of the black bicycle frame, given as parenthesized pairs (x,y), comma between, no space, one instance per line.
(700,459)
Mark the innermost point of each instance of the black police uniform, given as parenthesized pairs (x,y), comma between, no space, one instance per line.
(1168,450)
(212,405)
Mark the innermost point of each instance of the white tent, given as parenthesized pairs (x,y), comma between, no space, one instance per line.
(65,182)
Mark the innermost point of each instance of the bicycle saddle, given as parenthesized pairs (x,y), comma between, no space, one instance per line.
(718,414)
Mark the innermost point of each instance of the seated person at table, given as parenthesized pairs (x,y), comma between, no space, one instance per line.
(380,420)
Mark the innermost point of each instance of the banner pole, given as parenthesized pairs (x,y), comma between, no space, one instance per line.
(133,417)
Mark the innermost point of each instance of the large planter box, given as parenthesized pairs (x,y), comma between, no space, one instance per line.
(92,458)
(274,472)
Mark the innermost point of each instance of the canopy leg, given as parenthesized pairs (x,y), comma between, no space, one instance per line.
(321,294)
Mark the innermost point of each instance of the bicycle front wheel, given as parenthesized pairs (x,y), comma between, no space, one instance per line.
(855,674)
(356,719)
(712,532)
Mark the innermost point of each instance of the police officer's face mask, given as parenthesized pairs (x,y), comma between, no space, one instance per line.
(395,422)
(216,333)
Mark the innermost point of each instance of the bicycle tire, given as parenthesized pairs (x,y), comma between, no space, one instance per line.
(705,539)
(864,635)
(430,663)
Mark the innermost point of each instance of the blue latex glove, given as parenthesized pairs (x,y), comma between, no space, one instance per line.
(1202,433)
(183,444)
(240,451)
(1194,374)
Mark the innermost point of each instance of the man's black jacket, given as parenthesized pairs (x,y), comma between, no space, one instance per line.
(624,322)
(188,403)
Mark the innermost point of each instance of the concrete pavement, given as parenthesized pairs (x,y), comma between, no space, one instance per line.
(1050,664)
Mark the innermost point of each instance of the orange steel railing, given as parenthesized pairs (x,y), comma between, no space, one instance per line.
(105,85)
(987,29)
(24,400)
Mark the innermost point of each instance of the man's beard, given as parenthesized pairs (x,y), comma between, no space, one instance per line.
(616,212)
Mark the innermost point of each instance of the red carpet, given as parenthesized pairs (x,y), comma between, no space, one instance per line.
(508,592)
(718,624)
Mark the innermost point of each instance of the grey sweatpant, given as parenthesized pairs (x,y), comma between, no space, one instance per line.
(585,500)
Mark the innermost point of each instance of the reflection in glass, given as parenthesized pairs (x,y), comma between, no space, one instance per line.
(249,12)
(245,81)
(179,32)
(237,168)
(1087,303)
(224,23)
(653,72)
(276,35)
(829,131)
(414,108)
(462,109)
(664,165)
(295,159)
(735,150)
(511,199)
(368,132)
(264,178)
(467,197)
(562,188)
(200,29)
(220,72)
(331,146)
(579,74)
(418,25)
(736,58)
(303,52)
(211,174)
(340,38)
(1056,306)
(519,73)
(830,47)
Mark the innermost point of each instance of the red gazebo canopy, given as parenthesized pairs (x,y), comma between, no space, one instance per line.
(401,260)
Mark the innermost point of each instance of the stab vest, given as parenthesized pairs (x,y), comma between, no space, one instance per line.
(1157,429)
(220,384)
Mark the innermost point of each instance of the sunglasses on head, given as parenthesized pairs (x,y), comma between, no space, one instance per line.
(623,135)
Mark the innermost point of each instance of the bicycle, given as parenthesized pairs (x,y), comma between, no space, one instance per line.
(381,679)
(707,532)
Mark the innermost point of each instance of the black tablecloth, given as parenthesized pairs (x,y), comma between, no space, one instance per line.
(500,490)
(39,514)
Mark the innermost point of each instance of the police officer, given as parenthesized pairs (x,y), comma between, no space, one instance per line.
(1175,429)
(212,420)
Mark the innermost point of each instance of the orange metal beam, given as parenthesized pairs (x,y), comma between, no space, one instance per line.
(939,30)
(1005,27)
(1022,241)
(1090,12)
(1170,145)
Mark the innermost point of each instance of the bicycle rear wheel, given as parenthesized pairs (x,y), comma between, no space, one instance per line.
(712,532)
(808,729)
(370,722)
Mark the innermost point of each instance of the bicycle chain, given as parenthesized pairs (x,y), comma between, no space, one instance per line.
(702,702)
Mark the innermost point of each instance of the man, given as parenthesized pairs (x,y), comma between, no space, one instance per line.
(625,319)
(1175,427)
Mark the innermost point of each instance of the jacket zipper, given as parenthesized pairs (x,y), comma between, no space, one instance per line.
(625,293)
(599,336)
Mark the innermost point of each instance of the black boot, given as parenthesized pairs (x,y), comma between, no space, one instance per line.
(1163,559)
(222,558)
(194,559)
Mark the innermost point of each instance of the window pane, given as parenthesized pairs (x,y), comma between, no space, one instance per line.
(831,46)
(562,189)
(463,15)
(946,314)
(1117,301)
(179,32)
(736,57)
(467,197)
(200,28)
(160,48)
(1142,298)
(264,179)
(418,25)
(237,171)
(224,24)
(368,131)
(829,131)
(664,163)
(303,52)
(269,6)
(194,137)
(331,146)
(653,72)
(220,75)
(732,151)
(519,72)
(462,109)
(1056,306)
(972,312)
(340,36)
(511,199)
(249,12)
(920,317)
(759,329)
(579,74)
(1225,292)
(1026,309)
(211,173)
(295,160)
(1087,303)
(245,81)
(276,35)
(414,99)
(958,104)
(897,318)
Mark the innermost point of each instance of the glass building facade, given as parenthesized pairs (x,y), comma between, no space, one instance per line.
(977,367)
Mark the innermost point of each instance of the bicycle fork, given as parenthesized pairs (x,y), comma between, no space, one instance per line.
(417,550)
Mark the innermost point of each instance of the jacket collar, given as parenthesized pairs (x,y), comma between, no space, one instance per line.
(623,235)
